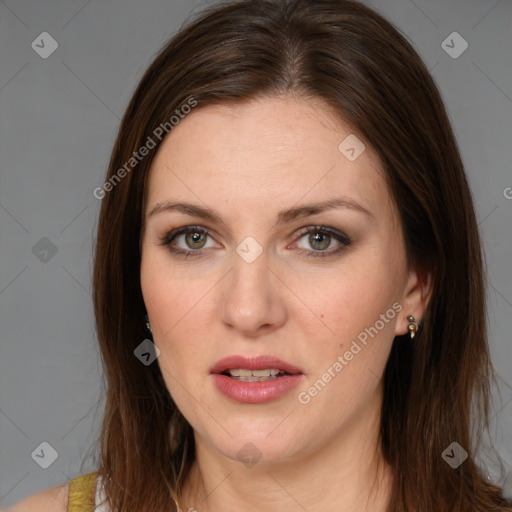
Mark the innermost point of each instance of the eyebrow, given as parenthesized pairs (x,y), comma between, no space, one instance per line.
(282,217)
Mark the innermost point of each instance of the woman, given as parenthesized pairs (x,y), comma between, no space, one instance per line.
(287,218)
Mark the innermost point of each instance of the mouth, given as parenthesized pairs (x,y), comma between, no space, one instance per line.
(254,368)
(246,375)
(255,379)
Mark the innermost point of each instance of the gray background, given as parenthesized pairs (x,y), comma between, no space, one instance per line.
(59,117)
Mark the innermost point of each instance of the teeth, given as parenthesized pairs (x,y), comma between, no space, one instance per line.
(244,373)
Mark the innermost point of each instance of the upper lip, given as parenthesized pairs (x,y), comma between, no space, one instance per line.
(253,363)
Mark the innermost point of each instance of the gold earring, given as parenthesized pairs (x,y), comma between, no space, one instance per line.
(413,326)
(147,324)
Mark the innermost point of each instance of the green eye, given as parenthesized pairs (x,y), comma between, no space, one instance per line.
(320,237)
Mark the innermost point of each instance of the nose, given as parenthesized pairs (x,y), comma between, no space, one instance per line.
(253,298)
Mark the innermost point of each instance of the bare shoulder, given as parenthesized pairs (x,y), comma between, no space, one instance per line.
(54,499)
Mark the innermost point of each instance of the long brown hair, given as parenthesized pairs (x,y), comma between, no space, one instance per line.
(368,73)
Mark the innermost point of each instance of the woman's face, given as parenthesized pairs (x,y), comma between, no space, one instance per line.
(250,281)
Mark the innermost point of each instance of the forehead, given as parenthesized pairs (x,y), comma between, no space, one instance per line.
(265,153)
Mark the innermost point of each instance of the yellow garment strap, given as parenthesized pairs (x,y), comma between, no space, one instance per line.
(82,493)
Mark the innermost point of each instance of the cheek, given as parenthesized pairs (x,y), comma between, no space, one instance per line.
(345,302)
(358,351)
(348,367)
(178,305)
(360,311)
(165,292)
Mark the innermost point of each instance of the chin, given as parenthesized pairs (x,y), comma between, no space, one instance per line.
(259,441)
(261,452)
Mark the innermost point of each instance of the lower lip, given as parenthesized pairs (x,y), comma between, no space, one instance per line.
(256,392)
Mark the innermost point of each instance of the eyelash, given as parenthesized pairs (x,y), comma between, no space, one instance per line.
(181,253)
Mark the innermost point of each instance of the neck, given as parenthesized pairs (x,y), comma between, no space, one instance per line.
(347,474)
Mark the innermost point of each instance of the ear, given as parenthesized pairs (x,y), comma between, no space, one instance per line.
(415,299)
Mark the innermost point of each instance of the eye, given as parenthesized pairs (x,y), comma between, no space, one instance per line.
(320,238)
(194,238)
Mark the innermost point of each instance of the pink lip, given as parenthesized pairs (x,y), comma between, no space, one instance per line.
(253,363)
(255,392)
